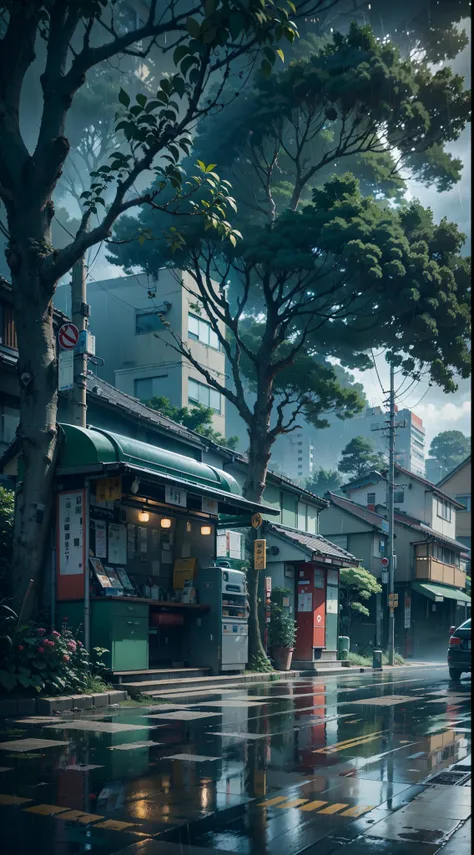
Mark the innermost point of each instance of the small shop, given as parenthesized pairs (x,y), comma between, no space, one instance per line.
(308,566)
(135,555)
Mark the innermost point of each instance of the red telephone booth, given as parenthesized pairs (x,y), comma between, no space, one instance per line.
(310,611)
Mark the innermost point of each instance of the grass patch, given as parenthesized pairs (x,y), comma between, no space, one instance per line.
(366,661)
(95,685)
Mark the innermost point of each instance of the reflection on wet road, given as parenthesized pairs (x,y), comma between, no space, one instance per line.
(350,764)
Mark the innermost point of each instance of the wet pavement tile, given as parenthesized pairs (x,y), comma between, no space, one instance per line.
(27,745)
(339,782)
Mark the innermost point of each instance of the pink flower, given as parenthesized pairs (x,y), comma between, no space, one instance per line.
(56,634)
(65,658)
(71,645)
(20,647)
(51,644)
(79,643)
(40,649)
(41,630)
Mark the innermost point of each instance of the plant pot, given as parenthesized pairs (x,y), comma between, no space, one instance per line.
(283,657)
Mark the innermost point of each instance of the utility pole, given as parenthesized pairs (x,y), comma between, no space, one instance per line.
(391,518)
(80,312)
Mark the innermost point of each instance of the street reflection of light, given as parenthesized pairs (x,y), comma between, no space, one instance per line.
(205,797)
(141,809)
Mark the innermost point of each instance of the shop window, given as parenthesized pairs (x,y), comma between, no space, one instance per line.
(147,388)
(200,330)
(199,393)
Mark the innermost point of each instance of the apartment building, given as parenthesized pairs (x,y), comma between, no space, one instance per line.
(138,348)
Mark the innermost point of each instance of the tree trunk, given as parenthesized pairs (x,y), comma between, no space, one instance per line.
(259,456)
(37,373)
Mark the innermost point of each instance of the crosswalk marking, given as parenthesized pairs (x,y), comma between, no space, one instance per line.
(313,805)
(274,801)
(292,803)
(358,810)
(333,808)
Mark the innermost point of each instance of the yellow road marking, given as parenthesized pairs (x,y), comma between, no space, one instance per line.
(6,799)
(334,749)
(46,810)
(358,810)
(293,803)
(349,742)
(333,808)
(114,825)
(274,801)
(313,805)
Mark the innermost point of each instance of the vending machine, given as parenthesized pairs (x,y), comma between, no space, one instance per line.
(218,639)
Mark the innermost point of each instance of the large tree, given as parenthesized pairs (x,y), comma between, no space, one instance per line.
(360,457)
(198,418)
(324,481)
(449,448)
(62,42)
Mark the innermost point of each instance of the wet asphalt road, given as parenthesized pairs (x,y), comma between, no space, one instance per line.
(326,765)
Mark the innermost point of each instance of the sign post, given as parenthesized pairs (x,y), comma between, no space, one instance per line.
(260,554)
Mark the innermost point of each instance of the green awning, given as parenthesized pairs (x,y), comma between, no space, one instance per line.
(92,449)
(440,592)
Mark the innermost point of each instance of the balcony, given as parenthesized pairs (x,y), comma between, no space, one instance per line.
(429,569)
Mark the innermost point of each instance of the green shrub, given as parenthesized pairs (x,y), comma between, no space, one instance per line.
(53,662)
(282,628)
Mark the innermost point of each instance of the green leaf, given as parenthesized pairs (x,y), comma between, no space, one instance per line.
(141,99)
(179,54)
(124,98)
(209,7)
(280,54)
(193,28)
(179,85)
(266,68)
(236,24)
(209,167)
(187,63)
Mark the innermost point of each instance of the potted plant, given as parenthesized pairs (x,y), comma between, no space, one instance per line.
(282,636)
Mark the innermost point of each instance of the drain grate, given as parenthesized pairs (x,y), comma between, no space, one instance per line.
(461,768)
(450,779)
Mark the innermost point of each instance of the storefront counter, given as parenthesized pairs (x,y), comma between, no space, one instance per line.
(122,626)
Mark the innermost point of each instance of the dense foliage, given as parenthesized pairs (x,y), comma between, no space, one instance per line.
(449,448)
(197,418)
(360,457)
(357,586)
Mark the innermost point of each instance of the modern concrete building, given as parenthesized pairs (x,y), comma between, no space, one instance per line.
(137,347)
(299,454)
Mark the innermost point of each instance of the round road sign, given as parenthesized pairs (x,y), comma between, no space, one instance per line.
(257,520)
(68,336)
(384,562)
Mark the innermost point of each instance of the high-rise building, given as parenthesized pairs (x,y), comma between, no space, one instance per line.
(137,347)
(300,453)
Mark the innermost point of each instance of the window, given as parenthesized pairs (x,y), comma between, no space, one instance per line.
(9,421)
(199,393)
(147,388)
(146,322)
(371,498)
(444,509)
(200,330)
(398,497)
(464,500)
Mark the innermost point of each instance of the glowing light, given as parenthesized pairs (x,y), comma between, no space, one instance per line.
(165,523)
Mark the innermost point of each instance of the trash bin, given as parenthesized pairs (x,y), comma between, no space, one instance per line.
(377,660)
(343,646)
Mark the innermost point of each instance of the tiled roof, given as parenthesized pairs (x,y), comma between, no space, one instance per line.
(374,477)
(376,520)
(313,543)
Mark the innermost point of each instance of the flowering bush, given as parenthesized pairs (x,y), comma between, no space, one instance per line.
(53,661)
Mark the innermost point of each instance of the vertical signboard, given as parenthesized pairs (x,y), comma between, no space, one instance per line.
(70,545)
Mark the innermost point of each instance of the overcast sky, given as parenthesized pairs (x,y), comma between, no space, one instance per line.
(438,410)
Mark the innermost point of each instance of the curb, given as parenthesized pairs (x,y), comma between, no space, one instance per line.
(65,703)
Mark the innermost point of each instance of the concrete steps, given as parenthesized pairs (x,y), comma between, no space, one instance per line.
(198,685)
(160,674)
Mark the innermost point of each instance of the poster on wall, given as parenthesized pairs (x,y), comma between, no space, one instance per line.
(71,533)
(319,578)
(333,577)
(142,540)
(305,602)
(221,545)
(100,573)
(407,612)
(131,541)
(100,539)
(235,544)
(117,543)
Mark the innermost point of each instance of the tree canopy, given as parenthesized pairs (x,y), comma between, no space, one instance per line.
(357,586)
(449,448)
(324,481)
(198,418)
(360,457)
